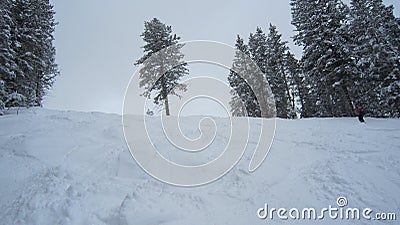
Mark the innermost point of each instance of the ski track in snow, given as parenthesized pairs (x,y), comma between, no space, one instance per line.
(59,167)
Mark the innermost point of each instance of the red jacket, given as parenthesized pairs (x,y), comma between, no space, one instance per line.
(359,111)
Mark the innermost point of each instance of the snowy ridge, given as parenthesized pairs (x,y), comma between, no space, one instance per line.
(60,167)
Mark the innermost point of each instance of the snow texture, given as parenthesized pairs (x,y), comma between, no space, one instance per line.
(59,167)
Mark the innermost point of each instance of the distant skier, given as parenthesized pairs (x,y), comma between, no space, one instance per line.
(360,114)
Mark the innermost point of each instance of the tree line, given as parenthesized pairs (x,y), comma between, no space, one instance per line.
(350,59)
(27,52)
(278,66)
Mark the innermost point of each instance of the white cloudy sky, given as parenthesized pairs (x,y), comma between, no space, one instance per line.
(98,41)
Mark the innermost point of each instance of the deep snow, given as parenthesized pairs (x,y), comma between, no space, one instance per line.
(59,167)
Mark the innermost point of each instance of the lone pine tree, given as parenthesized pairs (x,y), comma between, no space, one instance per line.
(162,65)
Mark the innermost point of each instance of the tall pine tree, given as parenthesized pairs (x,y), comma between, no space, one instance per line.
(257,46)
(375,45)
(27,53)
(32,41)
(244,101)
(326,60)
(296,82)
(163,67)
(276,75)
(6,52)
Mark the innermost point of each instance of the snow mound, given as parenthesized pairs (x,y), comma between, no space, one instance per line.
(59,167)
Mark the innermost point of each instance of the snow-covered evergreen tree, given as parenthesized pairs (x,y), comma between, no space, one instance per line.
(375,45)
(268,52)
(237,107)
(7,65)
(159,75)
(297,86)
(3,95)
(351,57)
(257,46)
(32,41)
(47,70)
(325,61)
(276,75)
(244,101)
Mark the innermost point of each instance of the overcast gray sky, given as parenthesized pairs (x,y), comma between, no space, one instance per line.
(98,41)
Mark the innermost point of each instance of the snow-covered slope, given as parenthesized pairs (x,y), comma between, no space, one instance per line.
(60,167)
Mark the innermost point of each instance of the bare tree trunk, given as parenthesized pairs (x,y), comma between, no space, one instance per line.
(38,96)
(165,95)
(287,89)
(166,105)
(164,92)
(349,104)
